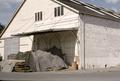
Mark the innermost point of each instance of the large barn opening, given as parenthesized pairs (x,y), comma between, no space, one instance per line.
(61,43)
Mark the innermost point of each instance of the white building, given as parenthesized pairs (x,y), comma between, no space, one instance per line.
(85,33)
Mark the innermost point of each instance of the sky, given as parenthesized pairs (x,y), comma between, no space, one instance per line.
(109,4)
(8,7)
(7,10)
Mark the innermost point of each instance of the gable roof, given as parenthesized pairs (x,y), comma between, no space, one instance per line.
(83,8)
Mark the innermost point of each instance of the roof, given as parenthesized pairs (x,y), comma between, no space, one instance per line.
(89,9)
(83,8)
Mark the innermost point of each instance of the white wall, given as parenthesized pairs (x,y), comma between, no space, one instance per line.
(102,42)
(26,43)
(2,48)
(11,46)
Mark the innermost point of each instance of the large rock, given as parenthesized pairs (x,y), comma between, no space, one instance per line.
(44,61)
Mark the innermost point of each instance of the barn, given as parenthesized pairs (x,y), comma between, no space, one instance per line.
(85,33)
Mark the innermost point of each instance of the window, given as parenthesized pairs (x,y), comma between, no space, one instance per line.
(38,16)
(55,12)
(62,13)
(58,11)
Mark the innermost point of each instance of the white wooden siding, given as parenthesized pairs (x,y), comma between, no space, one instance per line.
(102,42)
(26,43)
